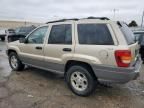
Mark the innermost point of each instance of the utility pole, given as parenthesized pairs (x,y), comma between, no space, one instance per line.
(142,19)
(25,22)
(114,12)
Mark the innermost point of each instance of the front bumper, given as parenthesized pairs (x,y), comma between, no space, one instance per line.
(117,74)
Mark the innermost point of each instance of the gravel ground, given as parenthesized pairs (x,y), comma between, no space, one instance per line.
(34,88)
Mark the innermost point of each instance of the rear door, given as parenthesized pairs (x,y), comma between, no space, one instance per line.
(59,46)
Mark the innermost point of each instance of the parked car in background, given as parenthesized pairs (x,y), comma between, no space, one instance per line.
(20,32)
(24,30)
(2,34)
(137,28)
(6,32)
(139,36)
(87,51)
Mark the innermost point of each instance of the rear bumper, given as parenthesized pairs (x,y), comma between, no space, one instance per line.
(117,75)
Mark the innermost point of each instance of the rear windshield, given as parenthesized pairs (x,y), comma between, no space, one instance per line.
(129,36)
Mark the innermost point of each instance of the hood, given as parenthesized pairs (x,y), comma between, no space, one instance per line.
(14,43)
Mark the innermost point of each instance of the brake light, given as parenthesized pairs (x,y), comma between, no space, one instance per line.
(123,58)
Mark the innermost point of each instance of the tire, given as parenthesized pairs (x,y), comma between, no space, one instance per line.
(18,64)
(3,39)
(87,79)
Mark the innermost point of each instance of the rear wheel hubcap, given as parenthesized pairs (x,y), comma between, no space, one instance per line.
(79,81)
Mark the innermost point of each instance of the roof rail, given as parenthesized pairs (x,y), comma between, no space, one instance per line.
(119,23)
(62,20)
(101,18)
(76,19)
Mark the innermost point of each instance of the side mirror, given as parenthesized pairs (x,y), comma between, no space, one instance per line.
(22,40)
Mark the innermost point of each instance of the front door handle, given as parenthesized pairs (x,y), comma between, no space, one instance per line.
(67,49)
(38,48)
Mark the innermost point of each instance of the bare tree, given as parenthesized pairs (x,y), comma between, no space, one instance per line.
(133,23)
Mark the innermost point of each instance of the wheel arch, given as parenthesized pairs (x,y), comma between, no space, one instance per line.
(80,63)
(11,50)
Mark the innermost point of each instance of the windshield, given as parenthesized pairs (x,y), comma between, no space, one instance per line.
(128,34)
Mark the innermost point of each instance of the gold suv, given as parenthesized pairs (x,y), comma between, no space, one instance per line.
(87,51)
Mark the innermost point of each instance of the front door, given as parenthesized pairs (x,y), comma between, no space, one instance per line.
(32,50)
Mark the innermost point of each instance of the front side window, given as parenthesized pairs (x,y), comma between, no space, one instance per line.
(94,34)
(61,34)
(37,37)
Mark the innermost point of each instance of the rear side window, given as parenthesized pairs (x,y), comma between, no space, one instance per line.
(129,36)
(61,34)
(95,34)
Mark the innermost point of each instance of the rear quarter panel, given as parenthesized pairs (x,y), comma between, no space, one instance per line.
(97,54)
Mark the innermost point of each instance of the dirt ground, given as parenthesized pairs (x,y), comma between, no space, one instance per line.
(34,88)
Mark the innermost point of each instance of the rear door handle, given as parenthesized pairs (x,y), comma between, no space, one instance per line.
(67,49)
(38,48)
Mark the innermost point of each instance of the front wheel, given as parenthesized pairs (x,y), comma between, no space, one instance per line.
(80,80)
(15,62)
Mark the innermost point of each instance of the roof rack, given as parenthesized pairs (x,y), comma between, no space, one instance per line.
(76,19)
(101,18)
(62,20)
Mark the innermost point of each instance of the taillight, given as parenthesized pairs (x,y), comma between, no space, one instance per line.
(123,58)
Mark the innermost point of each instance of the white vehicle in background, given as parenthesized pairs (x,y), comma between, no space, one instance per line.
(6,32)
(2,34)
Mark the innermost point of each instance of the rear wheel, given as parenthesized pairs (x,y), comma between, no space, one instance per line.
(15,62)
(80,80)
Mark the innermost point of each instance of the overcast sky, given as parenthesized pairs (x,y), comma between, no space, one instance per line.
(44,10)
